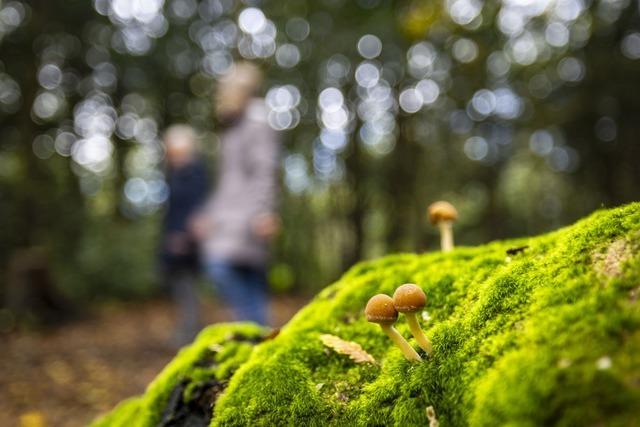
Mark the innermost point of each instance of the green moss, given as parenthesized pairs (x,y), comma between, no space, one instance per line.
(545,336)
(199,372)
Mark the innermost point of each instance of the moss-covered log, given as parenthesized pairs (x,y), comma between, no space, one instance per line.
(533,331)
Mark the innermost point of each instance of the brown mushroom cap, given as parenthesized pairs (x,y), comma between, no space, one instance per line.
(442,211)
(409,298)
(380,309)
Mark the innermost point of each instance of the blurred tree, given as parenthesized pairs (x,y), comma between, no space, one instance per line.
(520,112)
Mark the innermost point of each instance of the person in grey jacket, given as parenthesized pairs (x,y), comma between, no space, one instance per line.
(240,219)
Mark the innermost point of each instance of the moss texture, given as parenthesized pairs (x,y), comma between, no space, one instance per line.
(184,393)
(549,335)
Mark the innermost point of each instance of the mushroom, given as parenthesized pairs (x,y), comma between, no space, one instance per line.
(443,214)
(380,310)
(410,299)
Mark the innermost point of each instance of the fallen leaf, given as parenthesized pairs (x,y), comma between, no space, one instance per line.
(350,348)
(610,262)
(32,419)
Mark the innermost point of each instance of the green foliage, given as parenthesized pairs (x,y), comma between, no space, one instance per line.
(548,336)
(534,122)
(281,278)
(114,259)
(216,354)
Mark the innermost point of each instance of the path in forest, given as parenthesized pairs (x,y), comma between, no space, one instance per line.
(67,376)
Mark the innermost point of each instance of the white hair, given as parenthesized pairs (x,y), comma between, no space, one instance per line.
(180,135)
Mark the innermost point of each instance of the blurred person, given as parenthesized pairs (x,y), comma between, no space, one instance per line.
(240,219)
(187,180)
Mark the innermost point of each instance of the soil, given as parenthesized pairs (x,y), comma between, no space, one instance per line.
(69,375)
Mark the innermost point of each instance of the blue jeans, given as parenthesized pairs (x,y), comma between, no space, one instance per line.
(243,287)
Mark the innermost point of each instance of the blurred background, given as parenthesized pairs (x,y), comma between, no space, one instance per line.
(522,113)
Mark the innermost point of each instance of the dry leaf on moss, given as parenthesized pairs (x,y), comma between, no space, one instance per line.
(611,261)
(350,348)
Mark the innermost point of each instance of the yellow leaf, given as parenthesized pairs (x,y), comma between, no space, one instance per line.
(32,419)
(350,348)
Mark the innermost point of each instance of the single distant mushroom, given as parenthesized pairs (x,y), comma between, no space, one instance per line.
(409,299)
(380,310)
(443,214)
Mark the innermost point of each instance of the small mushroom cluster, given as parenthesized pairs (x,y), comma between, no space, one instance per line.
(408,299)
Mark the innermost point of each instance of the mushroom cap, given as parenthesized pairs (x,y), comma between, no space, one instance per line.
(380,309)
(442,211)
(409,298)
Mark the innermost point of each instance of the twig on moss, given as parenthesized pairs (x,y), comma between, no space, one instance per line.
(431,416)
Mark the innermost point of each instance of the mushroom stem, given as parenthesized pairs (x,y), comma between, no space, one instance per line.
(446,235)
(418,334)
(407,350)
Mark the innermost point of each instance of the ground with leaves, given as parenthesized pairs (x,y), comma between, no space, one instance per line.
(533,331)
(67,376)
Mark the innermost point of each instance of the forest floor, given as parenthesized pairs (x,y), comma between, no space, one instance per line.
(67,376)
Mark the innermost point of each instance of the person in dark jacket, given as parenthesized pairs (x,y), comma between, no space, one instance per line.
(187,180)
